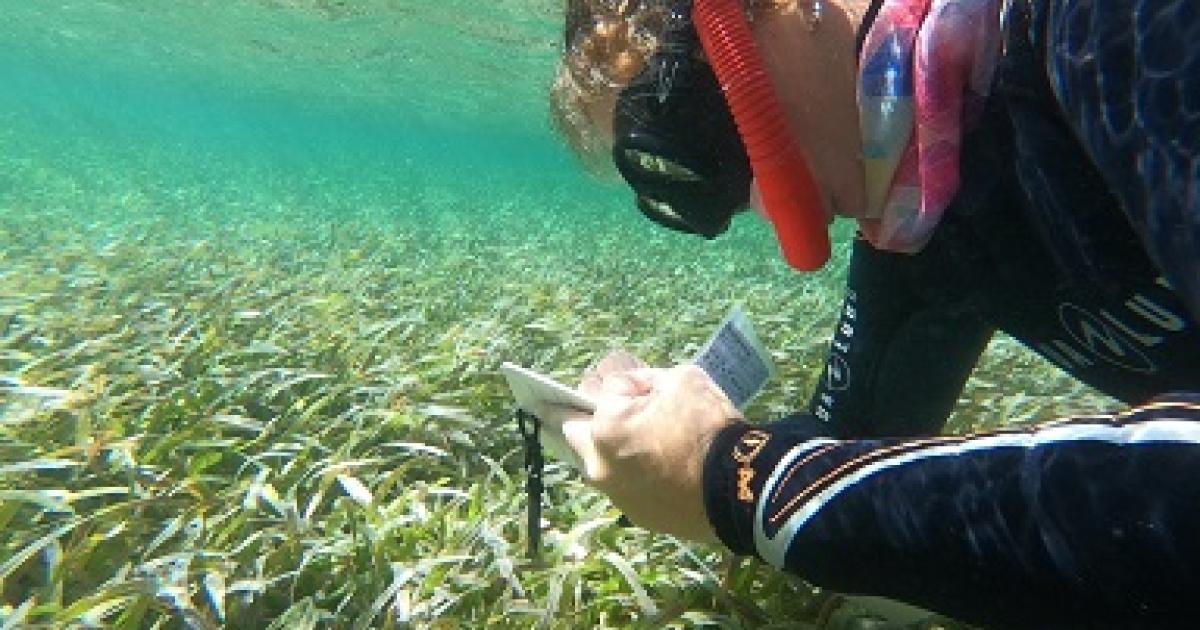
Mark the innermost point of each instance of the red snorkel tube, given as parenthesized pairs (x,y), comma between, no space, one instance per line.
(788,191)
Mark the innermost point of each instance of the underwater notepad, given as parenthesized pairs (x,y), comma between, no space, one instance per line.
(736,359)
(535,392)
(733,357)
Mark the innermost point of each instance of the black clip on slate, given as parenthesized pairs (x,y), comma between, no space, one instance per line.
(530,428)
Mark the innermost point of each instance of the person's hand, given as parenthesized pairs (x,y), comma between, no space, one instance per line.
(645,445)
(615,362)
(553,415)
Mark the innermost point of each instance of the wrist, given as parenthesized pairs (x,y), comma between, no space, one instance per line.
(740,459)
(725,493)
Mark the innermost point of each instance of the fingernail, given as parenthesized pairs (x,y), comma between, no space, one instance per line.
(619,385)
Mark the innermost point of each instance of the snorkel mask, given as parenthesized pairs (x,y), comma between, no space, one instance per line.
(689,137)
(675,141)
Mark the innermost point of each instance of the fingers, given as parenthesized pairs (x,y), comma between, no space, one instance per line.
(628,384)
(647,452)
(614,362)
(578,435)
(618,361)
(614,424)
(598,440)
(637,382)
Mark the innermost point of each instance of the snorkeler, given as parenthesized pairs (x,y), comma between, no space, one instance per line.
(1031,167)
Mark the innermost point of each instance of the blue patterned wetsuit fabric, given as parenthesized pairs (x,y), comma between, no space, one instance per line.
(1128,77)
(1075,230)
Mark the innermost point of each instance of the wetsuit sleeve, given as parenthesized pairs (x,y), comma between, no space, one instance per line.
(896,362)
(1088,522)
(1127,75)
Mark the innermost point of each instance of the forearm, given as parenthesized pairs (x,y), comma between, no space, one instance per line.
(1069,524)
(896,363)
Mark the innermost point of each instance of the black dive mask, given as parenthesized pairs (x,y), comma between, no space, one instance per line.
(675,140)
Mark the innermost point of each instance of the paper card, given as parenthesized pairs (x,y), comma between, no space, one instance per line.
(736,360)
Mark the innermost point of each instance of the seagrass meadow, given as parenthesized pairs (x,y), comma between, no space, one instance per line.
(259,263)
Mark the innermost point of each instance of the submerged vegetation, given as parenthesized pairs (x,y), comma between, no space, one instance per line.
(248,367)
(274,416)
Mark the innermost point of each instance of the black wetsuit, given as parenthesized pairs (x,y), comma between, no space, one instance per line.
(1077,231)
(1036,244)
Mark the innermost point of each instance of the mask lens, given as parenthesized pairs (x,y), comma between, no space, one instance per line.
(657,165)
(667,216)
(676,143)
(660,208)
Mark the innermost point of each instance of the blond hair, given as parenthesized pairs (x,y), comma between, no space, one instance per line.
(607,43)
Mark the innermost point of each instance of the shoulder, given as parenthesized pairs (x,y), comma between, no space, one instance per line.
(1126,76)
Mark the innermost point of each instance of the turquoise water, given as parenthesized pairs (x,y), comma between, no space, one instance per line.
(386,96)
(259,261)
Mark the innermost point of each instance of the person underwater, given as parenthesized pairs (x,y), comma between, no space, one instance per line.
(1030,167)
